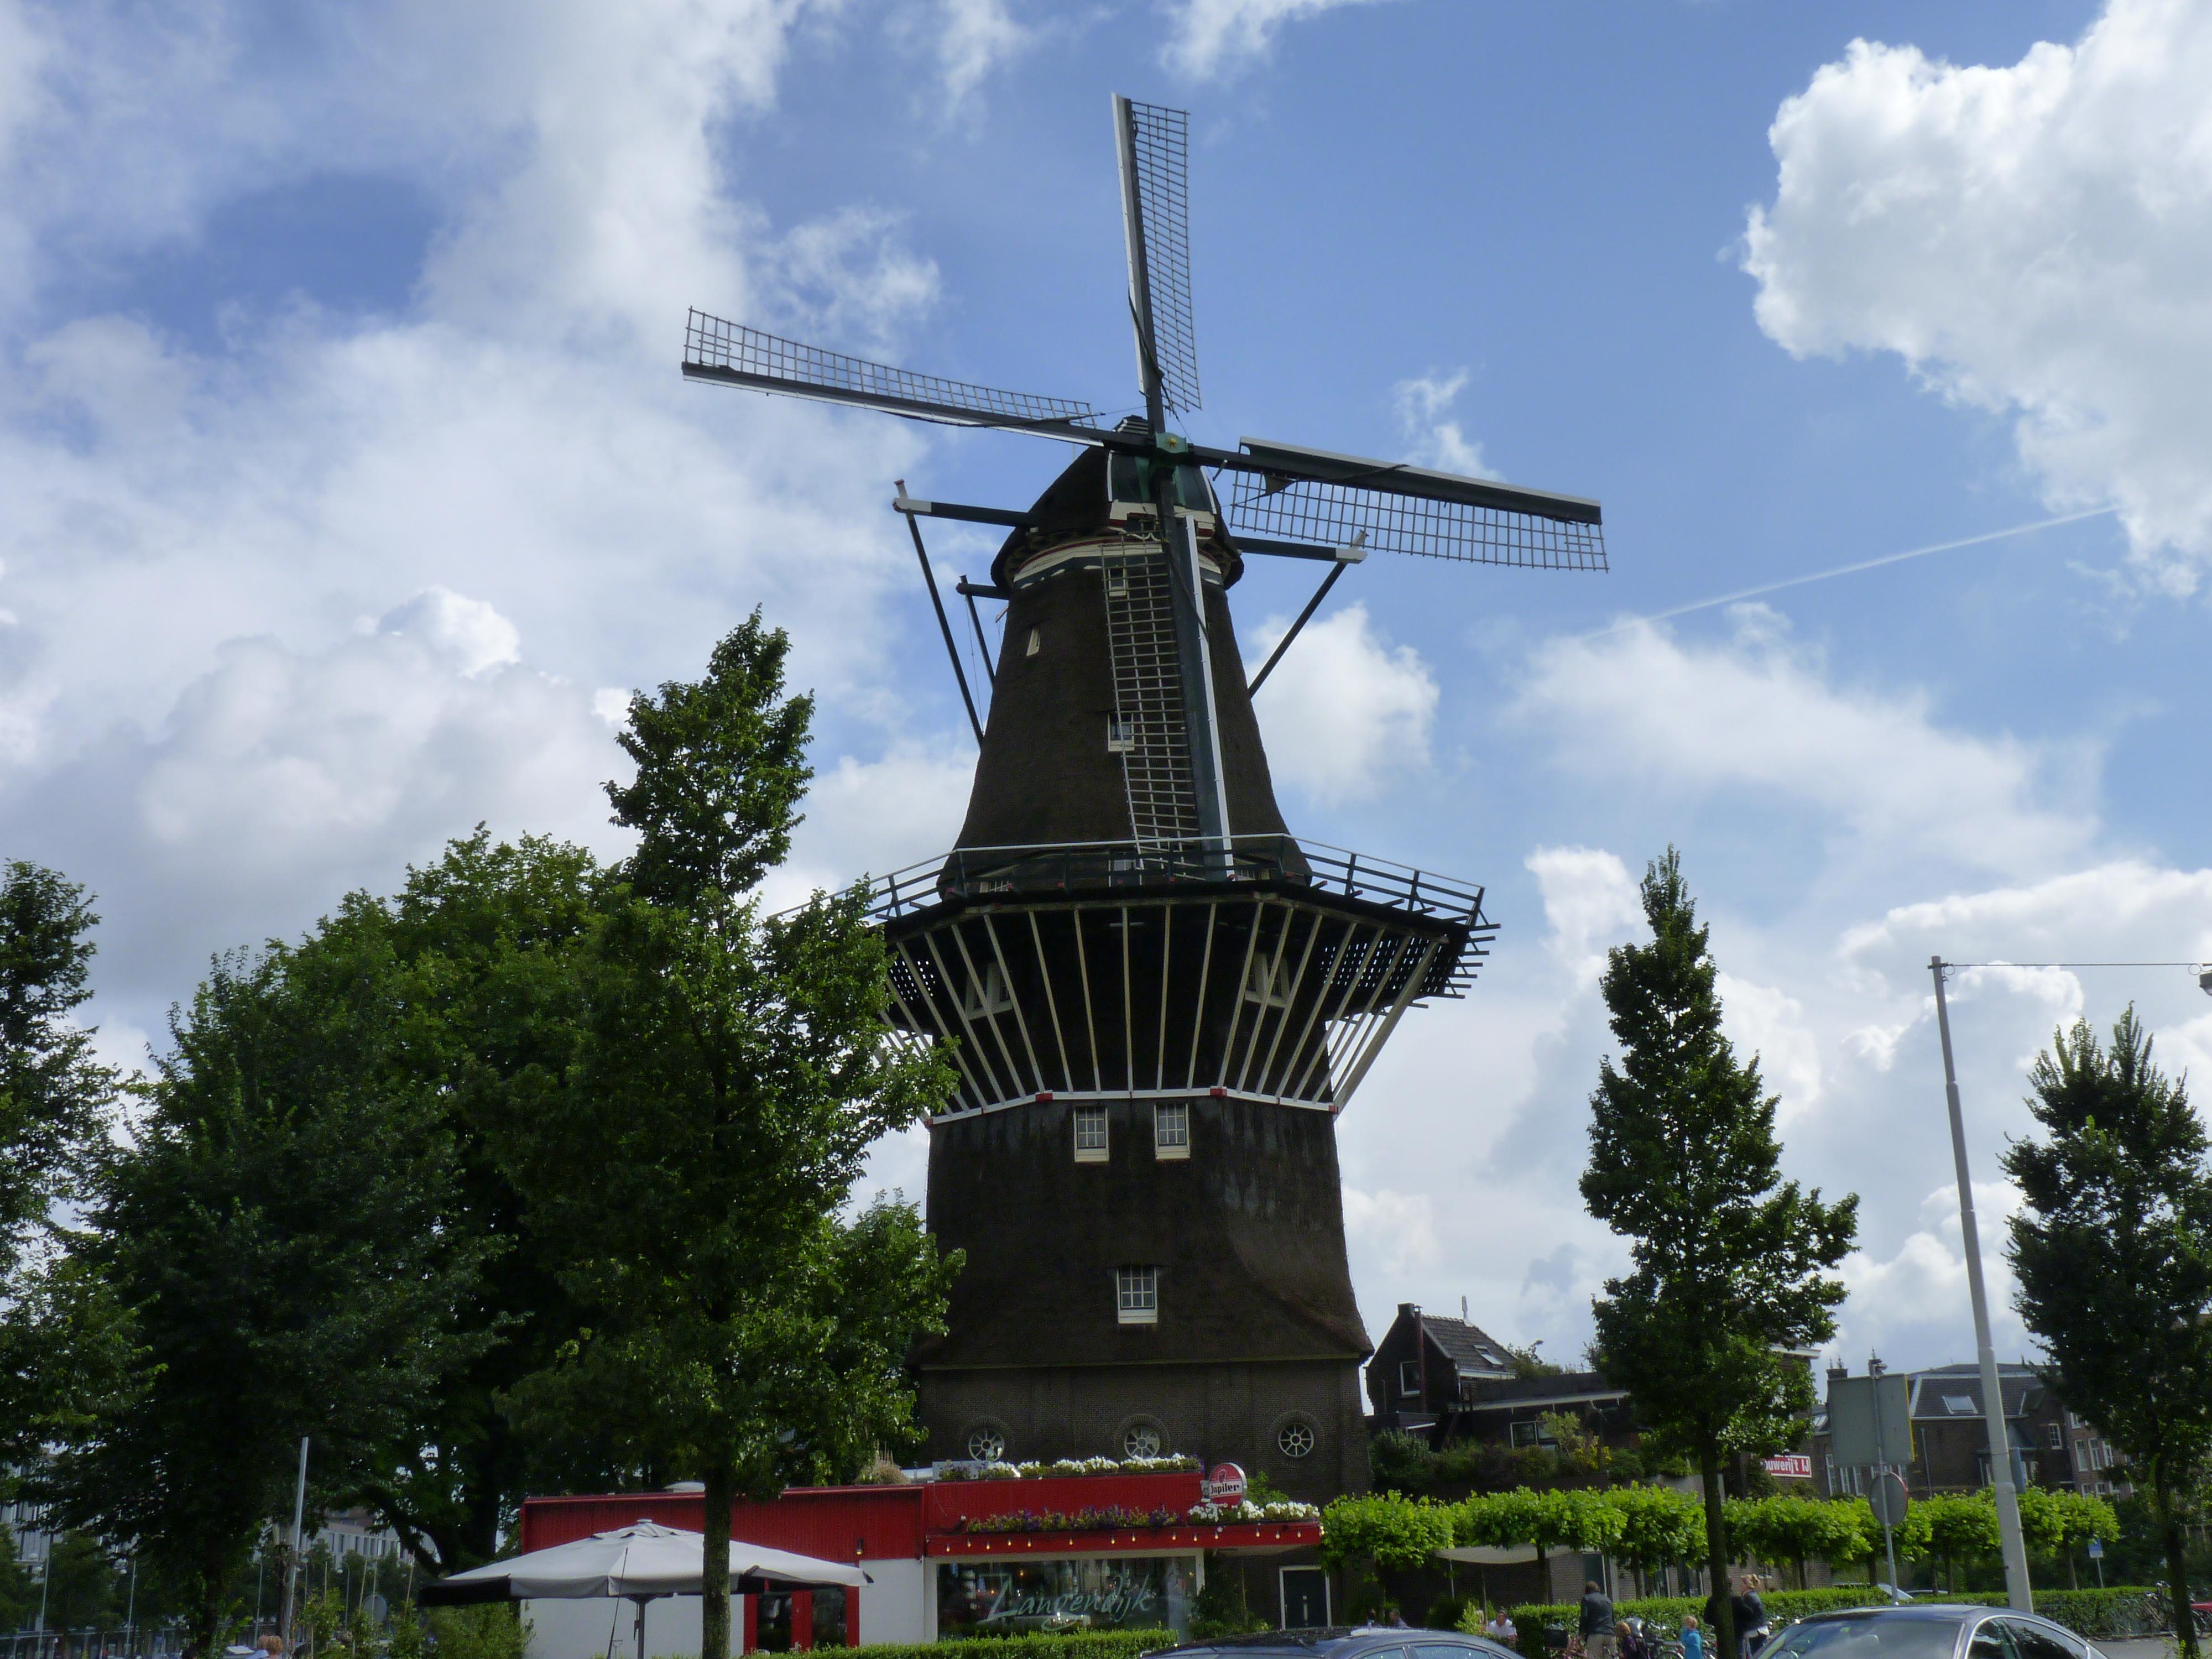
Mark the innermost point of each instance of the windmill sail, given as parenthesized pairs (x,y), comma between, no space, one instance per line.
(1317,497)
(732,353)
(1154,145)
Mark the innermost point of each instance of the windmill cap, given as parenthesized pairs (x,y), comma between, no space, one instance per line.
(1075,505)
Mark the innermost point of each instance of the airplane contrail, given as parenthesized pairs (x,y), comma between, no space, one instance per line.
(1847,569)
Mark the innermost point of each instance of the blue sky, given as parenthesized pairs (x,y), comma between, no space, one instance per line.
(351,484)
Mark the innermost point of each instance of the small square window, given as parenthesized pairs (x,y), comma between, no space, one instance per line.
(1121,734)
(1091,1135)
(1137,1295)
(1171,1129)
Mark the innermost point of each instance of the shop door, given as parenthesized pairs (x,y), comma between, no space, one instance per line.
(1305,1598)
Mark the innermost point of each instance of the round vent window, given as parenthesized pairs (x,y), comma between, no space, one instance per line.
(1296,1439)
(1142,1440)
(986,1444)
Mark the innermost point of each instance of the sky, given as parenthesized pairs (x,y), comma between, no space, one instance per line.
(349,487)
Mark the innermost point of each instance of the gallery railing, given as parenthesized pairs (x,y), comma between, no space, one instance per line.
(972,872)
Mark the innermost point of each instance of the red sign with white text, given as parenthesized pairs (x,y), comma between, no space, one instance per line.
(1790,1466)
(1225,1483)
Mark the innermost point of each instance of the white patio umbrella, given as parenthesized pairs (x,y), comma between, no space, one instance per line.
(640,1563)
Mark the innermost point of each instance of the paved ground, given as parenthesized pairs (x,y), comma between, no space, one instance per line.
(2148,1647)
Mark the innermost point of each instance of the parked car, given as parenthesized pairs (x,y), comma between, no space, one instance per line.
(1367,1642)
(1927,1631)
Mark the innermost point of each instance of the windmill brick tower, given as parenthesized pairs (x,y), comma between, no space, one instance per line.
(1158,999)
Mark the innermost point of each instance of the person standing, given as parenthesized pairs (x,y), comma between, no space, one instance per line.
(1598,1622)
(1693,1637)
(1750,1616)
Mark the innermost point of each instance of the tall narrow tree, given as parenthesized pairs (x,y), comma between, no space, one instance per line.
(2112,1248)
(55,1097)
(734,1069)
(1730,1263)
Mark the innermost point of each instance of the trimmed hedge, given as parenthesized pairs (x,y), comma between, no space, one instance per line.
(2098,1614)
(1084,1644)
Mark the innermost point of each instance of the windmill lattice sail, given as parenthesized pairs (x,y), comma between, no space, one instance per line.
(717,350)
(1334,514)
(1157,157)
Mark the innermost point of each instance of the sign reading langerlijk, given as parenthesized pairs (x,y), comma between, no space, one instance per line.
(1790,1466)
(1225,1483)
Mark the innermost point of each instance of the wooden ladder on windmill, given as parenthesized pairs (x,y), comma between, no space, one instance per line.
(1148,711)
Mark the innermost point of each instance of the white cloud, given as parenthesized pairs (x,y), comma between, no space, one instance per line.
(1213,37)
(1397,1231)
(1768,1022)
(2127,910)
(192,717)
(1591,903)
(1345,710)
(1759,713)
(1922,1284)
(1422,404)
(976,37)
(2030,239)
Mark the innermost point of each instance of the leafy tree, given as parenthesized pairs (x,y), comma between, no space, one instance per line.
(732,1070)
(269,1238)
(54,1098)
(1961,1528)
(1401,1462)
(53,1093)
(1794,1528)
(1527,1362)
(2081,1518)
(1658,1526)
(1374,1533)
(1730,1263)
(2112,1249)
(19,1591)
(482,952)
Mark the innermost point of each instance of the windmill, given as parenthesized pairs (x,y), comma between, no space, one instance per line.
(1157,998)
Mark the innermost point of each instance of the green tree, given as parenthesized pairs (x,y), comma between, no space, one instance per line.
(2112,1249)
(1401,1462)
(480,953)
(733,1069)
(269,1235)
(2082,1517)
(1961,1528)
(1730,1263)
(55,1097)
(1789,1527)
(19,1590)
(1658,1526)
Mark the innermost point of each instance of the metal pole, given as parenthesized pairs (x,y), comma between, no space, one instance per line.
(1875,1370)
(944,626)
(2018,1591)
(292,1566)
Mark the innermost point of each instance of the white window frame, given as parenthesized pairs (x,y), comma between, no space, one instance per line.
(1170,1129)
(1409,1378)
(1137,1296)
(1092,1142)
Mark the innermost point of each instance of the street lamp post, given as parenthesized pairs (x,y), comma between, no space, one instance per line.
(2018,1592)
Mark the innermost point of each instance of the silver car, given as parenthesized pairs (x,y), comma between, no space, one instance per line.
(1927,1631)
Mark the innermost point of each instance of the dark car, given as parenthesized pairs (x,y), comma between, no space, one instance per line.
(1927,1631)
(1367,1642)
